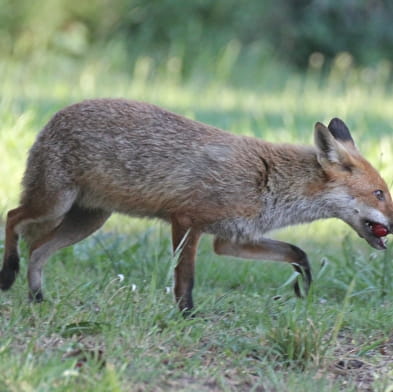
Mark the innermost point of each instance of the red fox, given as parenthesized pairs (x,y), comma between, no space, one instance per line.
(113,155)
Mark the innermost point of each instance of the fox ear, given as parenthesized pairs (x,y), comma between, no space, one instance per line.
(330,149)
(340,132)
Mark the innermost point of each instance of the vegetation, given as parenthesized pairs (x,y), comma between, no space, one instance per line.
(109,322)
(256,30)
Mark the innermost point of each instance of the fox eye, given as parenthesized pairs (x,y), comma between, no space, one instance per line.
(379,195)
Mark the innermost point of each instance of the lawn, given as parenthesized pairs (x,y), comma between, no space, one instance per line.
(109,322)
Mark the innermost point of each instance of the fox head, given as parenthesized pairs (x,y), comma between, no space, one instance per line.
(357,193)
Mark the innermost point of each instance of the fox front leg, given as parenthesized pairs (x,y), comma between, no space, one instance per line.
(270,250)
(185,242)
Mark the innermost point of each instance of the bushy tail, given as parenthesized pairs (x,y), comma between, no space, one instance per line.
(11,257)
(9,271)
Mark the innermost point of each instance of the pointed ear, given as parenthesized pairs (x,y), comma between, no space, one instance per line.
(329,149)
(340,132)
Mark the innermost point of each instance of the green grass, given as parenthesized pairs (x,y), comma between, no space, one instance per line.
(98,333)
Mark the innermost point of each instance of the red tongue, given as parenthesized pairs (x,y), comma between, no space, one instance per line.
(379,230)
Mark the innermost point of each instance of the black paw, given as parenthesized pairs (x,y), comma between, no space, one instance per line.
(187,308)
(36,296)
(306,277)
(188,313)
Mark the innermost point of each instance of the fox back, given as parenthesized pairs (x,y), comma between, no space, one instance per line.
(137,159)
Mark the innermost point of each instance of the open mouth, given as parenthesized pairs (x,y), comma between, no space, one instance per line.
(378,231)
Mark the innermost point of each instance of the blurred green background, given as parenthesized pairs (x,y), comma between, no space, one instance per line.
(191,35)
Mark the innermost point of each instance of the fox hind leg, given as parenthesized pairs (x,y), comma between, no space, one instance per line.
(17,220)
(34,212)
(77,224)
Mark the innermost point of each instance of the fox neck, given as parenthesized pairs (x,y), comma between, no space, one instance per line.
(294,190)
(287,212)
(298,193)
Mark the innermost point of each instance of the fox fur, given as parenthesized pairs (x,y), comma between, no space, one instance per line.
(102,156)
